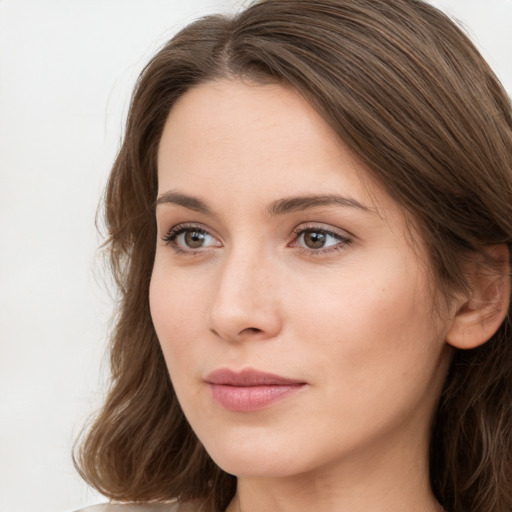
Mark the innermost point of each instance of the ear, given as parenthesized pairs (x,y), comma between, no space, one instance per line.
(480,315)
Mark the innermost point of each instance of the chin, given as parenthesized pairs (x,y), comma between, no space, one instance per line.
(258,465)
(252,457)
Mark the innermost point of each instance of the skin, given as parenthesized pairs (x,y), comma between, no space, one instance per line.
(354,319)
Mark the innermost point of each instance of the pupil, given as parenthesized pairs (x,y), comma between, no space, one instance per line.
(194,239)
(314,240)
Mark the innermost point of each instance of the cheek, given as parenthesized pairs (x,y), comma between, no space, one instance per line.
(368,325)
(175,310)
(358,300)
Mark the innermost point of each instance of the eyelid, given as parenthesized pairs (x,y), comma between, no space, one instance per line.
(344,238)
(178,229)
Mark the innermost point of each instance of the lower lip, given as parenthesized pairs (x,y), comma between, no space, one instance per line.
(251,398)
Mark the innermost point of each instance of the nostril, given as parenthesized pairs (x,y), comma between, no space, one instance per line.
(248,331)
(251,330)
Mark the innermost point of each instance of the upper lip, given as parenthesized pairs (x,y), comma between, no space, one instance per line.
(248,377)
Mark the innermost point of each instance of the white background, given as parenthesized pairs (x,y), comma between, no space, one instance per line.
(67,68)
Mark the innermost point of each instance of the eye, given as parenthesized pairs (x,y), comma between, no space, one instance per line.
(190,239)
(319,240)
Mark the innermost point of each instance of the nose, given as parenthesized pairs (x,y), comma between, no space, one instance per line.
(246,302)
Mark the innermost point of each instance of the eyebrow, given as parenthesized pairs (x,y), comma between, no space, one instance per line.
(189,202)
(293,204)
(279,207)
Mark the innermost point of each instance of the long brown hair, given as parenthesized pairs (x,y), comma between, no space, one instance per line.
(409,94)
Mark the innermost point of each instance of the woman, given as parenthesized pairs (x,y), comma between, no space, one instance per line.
(315,196)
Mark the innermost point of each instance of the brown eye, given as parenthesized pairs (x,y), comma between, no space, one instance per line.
(319,241)
(184,238)
(194,239)
(315,239)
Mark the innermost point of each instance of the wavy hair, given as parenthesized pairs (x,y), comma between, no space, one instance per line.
(409,94)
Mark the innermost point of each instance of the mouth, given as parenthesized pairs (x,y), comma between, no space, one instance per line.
(250,390)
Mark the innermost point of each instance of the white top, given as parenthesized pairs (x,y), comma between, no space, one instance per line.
(153,507)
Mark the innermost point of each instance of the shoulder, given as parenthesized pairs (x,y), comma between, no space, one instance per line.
(154,507)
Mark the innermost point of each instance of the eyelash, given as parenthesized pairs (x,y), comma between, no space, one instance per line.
(171,236)
(343,240)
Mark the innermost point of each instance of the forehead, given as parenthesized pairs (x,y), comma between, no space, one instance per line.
(240,148)
(239,140)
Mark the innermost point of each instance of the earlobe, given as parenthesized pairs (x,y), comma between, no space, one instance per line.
(480,315)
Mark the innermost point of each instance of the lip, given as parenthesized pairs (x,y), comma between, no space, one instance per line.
(250,390)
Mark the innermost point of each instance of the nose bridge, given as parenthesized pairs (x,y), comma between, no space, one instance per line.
(245,300)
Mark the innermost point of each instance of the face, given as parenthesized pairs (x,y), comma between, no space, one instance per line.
(294,314)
